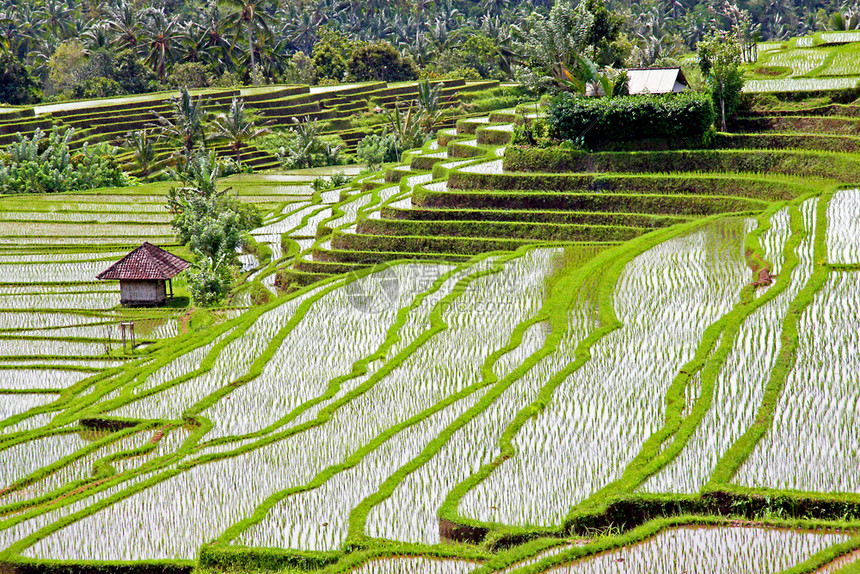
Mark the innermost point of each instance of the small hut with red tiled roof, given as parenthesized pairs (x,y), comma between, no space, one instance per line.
(144,275)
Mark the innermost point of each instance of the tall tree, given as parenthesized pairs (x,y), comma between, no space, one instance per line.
(162,38)
(248,18)
(237,126)
(185,121)
(720,62)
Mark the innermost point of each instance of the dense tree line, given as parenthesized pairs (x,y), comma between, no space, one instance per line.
(82,48)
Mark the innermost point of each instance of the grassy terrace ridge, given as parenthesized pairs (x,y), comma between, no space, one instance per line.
(111,120)
(482,358)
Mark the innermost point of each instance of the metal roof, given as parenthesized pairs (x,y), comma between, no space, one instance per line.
(146,263)
(656,80)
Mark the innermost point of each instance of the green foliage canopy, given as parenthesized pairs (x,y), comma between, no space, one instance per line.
(688,116)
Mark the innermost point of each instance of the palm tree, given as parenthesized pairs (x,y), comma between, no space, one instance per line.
(97,38)
(57,17)
(249,16)
(429,112)
(494,7)
(237,126)
(301,31)
(185,122)
(211,42)
(125,24)
(163,37)
(144,149)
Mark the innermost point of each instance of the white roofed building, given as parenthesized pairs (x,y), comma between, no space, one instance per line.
(656,80)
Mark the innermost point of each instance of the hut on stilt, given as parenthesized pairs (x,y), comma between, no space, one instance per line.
(145,275)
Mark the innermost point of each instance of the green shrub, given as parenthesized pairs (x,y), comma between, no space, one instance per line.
(688,116)
(45,164)
(212,223)
(305,147)
(375,150)
(259,294)
(98,87)
(191,75)
(208,282)
(533,133)
(382,62)
(17,86)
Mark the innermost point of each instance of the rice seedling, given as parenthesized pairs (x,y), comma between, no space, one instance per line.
(289,223)
(100,199)
(79,469)
(309,228)
(773,240)
(409,564)
(24,458)
(799,84)
(456,164)
(184,364)
(48,272)
(602,413)
(232,362)
(814,441)
(23,379)
(16,347)
(29,423)
(340,328)
(96,217)
(17,528)
(740,386)
(49,229)
(199,502)
(541,556)
(763,47)
(407,390)
(839,37)
(15,404)
(351,208)
(61,204)
(494,166)
(89,241)
(801,60)
(724,549)
(54,257)
(843,227)
(411,513)
(317,519)
(843,64)
(92,301)
(51,324)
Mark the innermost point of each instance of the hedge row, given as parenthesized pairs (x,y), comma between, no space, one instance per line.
(847,144)
(563,217)
(420,244)
(674,204)
(373,257)
(458,149)
(497,229)
(226,557)
(782,162)
(496,137)
(841,96)
(839,110)
(707,184)
(798,124)
(687,116)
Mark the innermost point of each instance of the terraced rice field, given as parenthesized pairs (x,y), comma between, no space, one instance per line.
(826,61)
(560,370)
